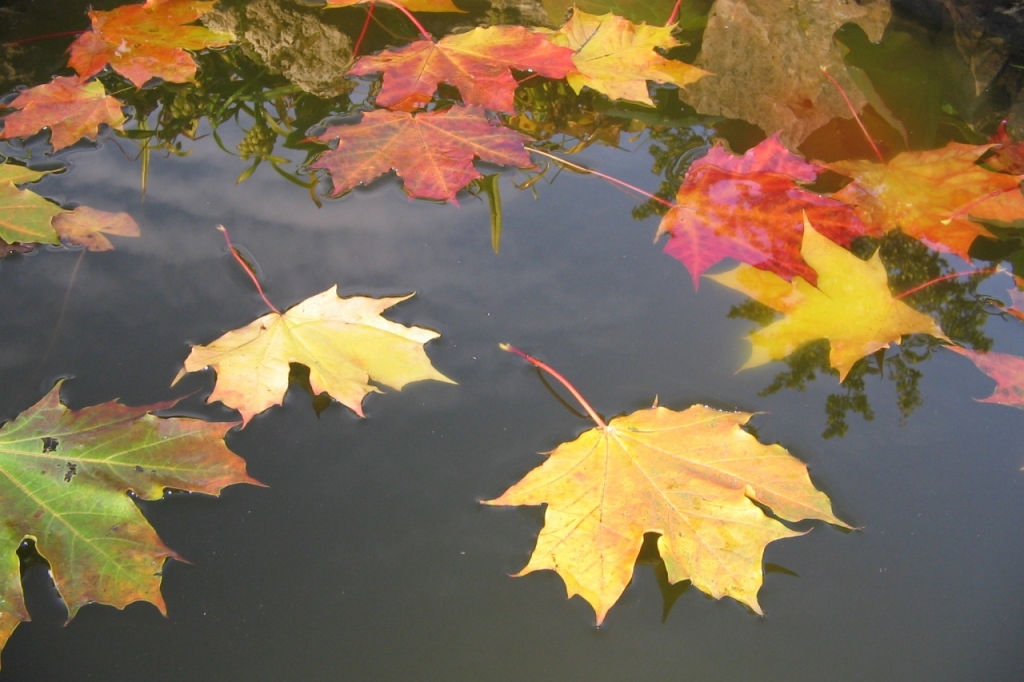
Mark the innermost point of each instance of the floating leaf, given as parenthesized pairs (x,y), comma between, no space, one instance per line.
(64,476)
(852,306)
(344,342)
(70,108)
(693,477)
(767,56)
(478,63)
(1007,370)
(750,208)
(146,41)
(86,227)
(25,216)
(433,152)
(932,195)
(617,57)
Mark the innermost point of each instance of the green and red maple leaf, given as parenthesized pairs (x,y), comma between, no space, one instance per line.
(69,107)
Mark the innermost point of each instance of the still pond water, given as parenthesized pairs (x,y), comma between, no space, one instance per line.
(369,556)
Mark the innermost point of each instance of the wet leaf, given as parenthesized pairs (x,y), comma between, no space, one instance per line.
(345,343)
(767,57)
(64,476)
(751,208)
(146,41)
(70,108)
(432,152)
(25,216)
(1008,372)
(852,306)
(692,476)
(932,195)
(411,5)
(617,57)
(478,63)
(87,227)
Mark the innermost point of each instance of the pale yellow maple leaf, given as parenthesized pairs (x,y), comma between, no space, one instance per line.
(690,476)
(344,342)
(617,57)
(852,306)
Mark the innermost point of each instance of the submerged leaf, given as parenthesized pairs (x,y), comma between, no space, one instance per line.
(617,57)
(1008,372)
(852,306)
(146,41)
(70,108)
(345,343)
(64,476)
(433,152)
(693,477)
(86,227)
(767,58)
(478,63)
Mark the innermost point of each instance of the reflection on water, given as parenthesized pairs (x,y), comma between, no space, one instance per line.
(368,556)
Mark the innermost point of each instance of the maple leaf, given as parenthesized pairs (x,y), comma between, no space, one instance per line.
(433,152)
(852,306)
(64,475)
(1008,372)
(70,108)
(86,227)
(767,57)
(146,41)
(693,477)
(750,208)
(617,57)
(344,342)
(25,216)
(932,195)
(411,5)
(478,63)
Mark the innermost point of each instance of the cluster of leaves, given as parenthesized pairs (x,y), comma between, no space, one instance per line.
(695,476)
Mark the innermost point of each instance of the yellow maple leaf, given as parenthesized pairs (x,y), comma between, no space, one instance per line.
(617,57)
(690,476)
(932,195)
(344,341)
(852,306)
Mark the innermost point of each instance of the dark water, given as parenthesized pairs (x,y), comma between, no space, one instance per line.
(369,555)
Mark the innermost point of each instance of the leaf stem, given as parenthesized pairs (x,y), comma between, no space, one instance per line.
(943,278)
(980,200)
(366,26)
(675,13)
(565,382)
(856,116)
(247,268)
(397,5)
(44,37)
(603,176)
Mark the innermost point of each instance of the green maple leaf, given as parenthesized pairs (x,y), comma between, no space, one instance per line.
(65,476)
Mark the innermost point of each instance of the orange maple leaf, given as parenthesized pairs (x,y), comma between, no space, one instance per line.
(70,108)
(146,41)
(932,195)
(751,208)
(433,152)
(478,63)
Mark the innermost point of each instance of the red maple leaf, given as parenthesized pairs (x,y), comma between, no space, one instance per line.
(433,152)
(70,108)
(145,41)
(751,208)
(478,63)
(1007,370)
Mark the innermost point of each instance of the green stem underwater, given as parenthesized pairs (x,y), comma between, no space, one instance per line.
(562,380)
